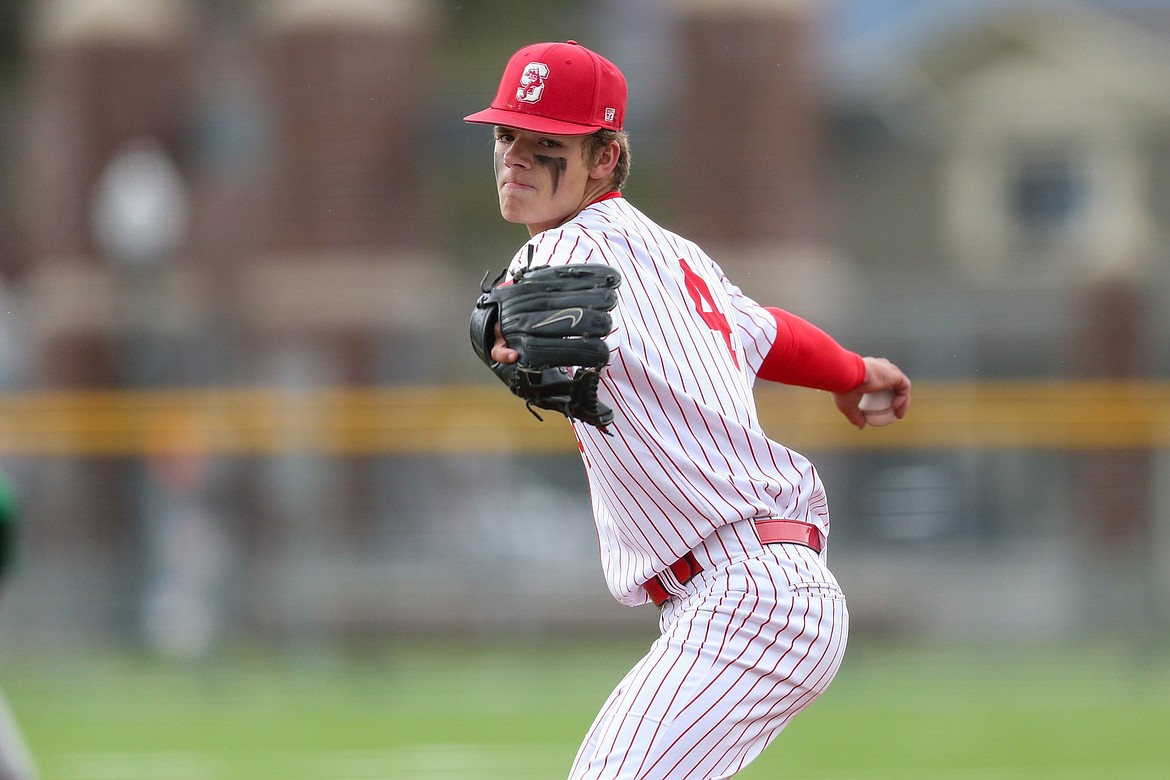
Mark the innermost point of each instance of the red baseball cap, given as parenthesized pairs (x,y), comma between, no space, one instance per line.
(560,89)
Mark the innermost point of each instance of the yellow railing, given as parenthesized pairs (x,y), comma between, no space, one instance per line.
(485,418)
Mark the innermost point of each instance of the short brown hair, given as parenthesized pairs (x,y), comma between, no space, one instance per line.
(603,138)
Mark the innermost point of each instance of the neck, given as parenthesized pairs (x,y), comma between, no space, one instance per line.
(592,194)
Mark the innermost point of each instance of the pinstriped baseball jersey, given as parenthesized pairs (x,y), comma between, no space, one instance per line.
(687,454)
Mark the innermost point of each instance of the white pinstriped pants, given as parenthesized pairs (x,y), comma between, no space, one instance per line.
(750,642)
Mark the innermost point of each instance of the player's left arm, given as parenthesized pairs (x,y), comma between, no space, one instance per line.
(542,332)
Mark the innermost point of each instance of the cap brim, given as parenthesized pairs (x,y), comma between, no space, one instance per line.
(530,122)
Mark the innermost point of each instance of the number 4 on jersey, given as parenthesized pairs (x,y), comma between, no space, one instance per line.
(705,306)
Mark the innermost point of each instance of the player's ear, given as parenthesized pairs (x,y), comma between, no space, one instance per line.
(605,160)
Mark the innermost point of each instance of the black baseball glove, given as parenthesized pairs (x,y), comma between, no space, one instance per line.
(557,319)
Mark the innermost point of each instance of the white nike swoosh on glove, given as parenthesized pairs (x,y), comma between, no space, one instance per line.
(573,315)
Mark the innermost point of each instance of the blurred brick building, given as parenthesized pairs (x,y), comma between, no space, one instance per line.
(301,134)
(294,131)
(985,198)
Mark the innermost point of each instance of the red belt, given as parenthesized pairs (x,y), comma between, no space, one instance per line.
(770,531)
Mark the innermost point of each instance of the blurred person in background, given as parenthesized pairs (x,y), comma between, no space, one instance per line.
(15,760)
(697,510)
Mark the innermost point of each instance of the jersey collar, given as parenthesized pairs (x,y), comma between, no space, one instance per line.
(607,196)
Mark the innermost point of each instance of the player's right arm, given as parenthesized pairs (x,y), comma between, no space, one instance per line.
(802,354)
(880,374)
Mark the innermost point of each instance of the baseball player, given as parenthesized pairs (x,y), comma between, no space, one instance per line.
(15,761)
(697,510)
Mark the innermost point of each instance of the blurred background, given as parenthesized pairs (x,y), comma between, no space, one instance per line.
(239,242)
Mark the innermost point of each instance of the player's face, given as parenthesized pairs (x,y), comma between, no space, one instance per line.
(543,180)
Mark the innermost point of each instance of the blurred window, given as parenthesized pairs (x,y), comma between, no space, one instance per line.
(1047,195)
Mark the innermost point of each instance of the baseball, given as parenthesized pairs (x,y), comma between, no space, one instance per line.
(878,407)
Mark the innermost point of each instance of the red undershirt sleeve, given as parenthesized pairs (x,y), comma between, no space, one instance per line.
(805,355)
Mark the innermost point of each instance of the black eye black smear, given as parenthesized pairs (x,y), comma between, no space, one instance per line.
(556,166)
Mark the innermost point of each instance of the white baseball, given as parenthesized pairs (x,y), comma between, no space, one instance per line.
(878,407)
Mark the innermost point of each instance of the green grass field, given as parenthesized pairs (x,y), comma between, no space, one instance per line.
(444,712)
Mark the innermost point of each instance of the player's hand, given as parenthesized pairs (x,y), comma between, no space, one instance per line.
(501,352)
(880,374)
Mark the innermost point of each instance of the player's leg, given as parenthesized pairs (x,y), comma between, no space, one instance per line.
(15,761)
(738,659)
